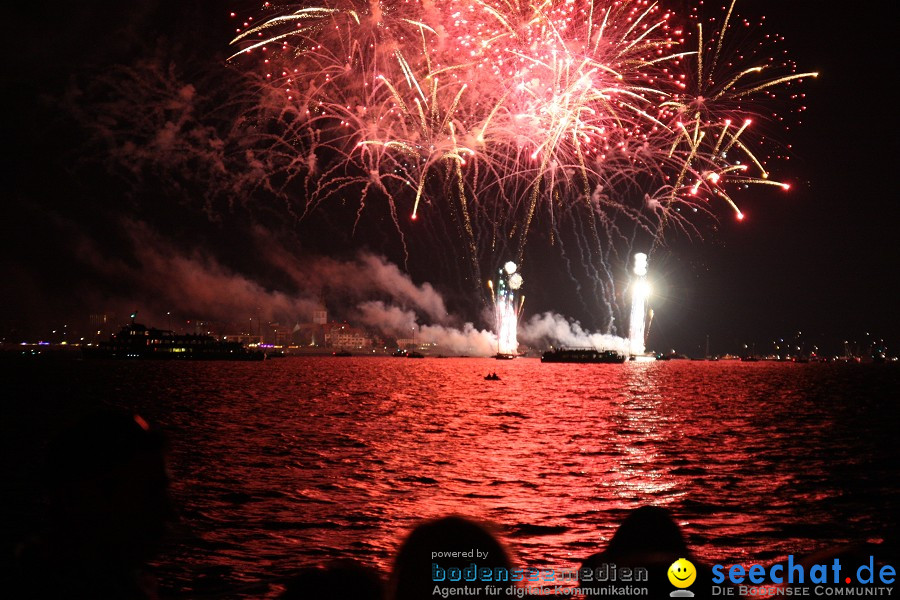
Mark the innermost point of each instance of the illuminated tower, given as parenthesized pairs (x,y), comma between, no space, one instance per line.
(640,289)
(507,306)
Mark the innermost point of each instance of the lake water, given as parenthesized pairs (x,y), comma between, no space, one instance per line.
(292,462)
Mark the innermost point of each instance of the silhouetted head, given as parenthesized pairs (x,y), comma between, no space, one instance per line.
(109,487)
(339,579)
(442,553)
(648,540)
(647,532)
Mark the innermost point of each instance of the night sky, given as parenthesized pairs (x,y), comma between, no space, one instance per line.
(82,235)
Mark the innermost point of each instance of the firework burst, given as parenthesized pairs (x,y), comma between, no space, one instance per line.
(505,110)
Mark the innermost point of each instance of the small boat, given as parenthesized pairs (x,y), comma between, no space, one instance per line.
(582,355)
(502,356)
(399,353)
(341,353)
(492,377)
(414,355)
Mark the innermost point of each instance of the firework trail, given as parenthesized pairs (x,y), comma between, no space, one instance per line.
(500,112)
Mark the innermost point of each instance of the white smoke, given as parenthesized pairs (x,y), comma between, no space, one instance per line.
(160,277)
(394,321)
(539,331)
(361,278)
(390,320)
(553,329)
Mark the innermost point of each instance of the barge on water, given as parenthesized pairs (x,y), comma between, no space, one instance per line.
(582,355)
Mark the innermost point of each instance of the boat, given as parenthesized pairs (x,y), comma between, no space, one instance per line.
(582,355)
(502,356)
(492,377)
(399,353)
(138,341)
(670,355)
(414,354)
(341,353)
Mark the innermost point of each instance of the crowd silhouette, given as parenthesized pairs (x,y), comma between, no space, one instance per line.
(109,507)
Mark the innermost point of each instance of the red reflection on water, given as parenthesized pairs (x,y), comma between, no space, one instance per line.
(297,461)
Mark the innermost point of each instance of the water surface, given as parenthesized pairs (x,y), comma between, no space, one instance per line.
(291,462)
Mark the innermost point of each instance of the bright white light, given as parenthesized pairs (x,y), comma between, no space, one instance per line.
(507,325)
(640,264)
(640,290)
(506,309)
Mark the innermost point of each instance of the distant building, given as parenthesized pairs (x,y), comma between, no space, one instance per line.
(320,315)
(198,327)
(244,338)
(415,344)
(313,332)
(407,343)
(288,336)
(341,335)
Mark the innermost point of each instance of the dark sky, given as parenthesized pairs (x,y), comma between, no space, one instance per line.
(821,259)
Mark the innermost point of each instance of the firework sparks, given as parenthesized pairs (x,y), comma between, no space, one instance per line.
(517,100)
(509,110)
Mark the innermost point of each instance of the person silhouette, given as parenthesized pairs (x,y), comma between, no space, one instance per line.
(448,543)
(649,539)
(109,506)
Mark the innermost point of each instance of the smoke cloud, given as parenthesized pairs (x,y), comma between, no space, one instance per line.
(363,277)
(158,277)
(393,321)
(554,329)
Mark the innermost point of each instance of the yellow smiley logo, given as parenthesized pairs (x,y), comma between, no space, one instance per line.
(682,573)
